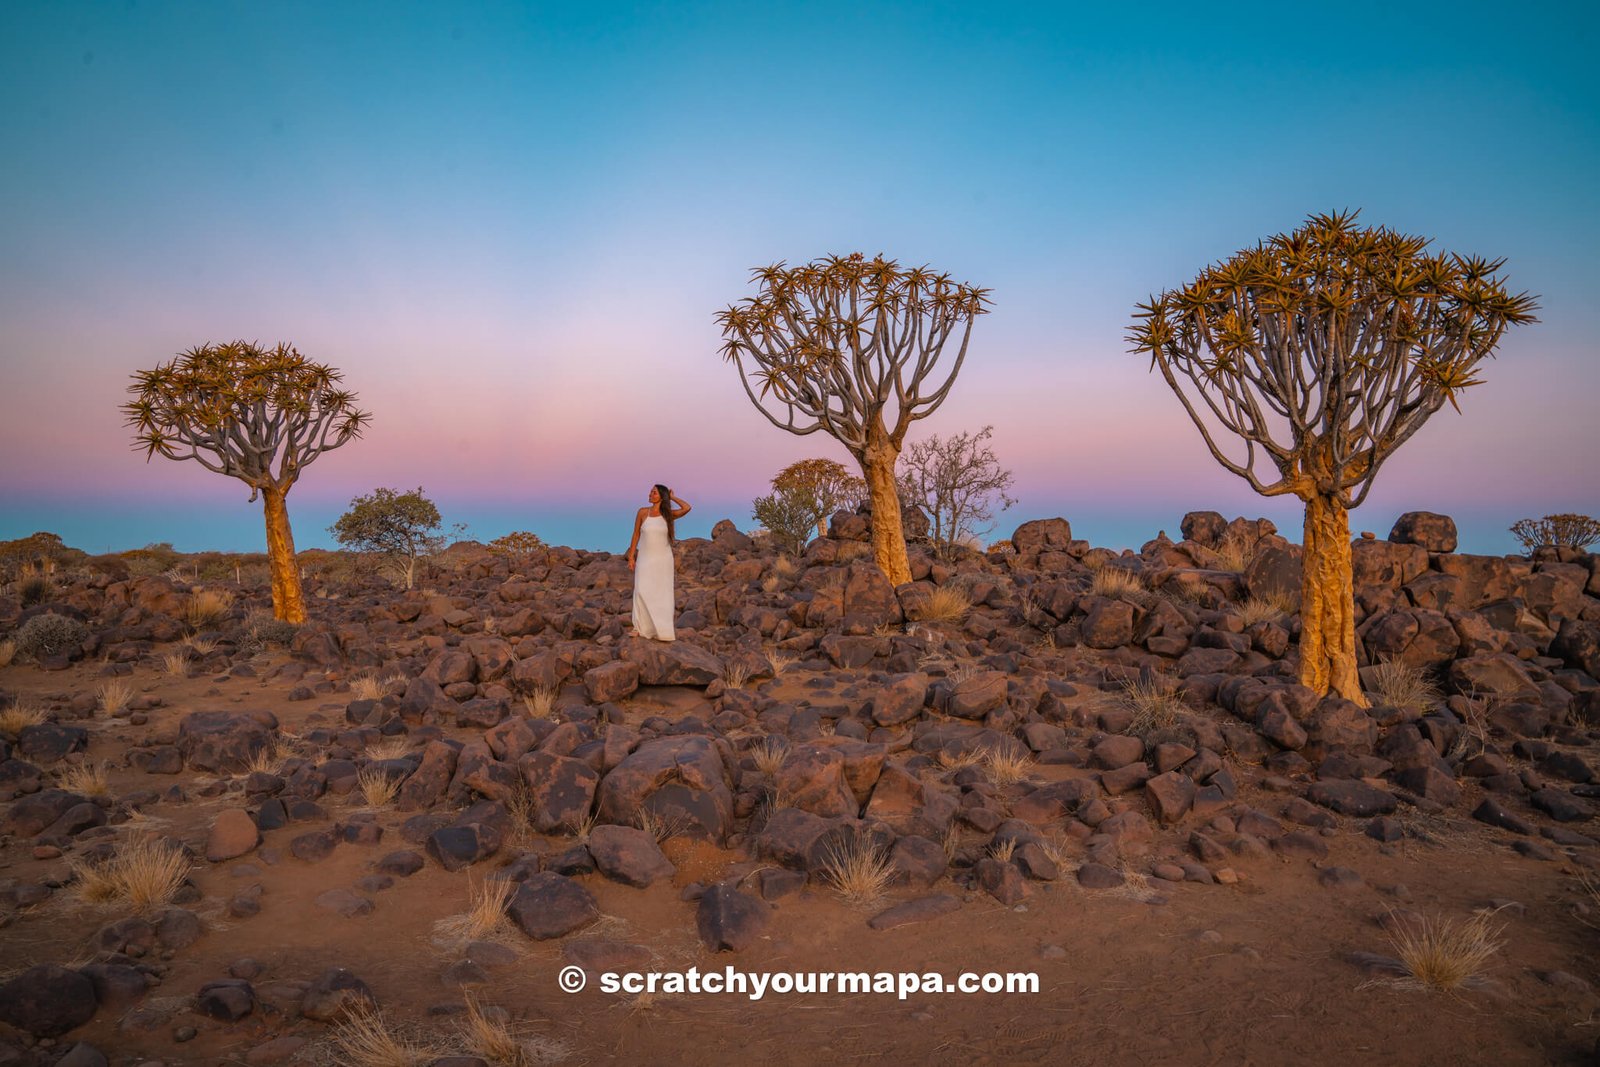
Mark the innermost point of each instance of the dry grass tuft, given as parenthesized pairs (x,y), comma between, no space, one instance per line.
(86,780)
(489,1037)
(1446,954)
(946,604)
(377,789)
(113,697)
(1401,686)
(1007,766)
(1117,582)
(1233,554)
(266,760)
(200,646)
(485,915)
(860,872)
(8,652)
(19,715)
(176,664)
(660,827)
(735,675)
(389,747)
(144,873)
(769,755)
(208,607)
(1154,706)
(1057,849)
(366,687)
(541,703)
(779,661)
(1004,850)
(364,1039)
(952,760)
(1269,607)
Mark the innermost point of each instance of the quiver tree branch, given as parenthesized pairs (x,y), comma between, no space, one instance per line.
(852,347)
(1307,361)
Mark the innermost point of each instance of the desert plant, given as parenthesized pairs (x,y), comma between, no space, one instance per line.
(1400,685)
(207,608)
(144,873)
(946,604)
(1007,765)
(788,518)
(8,652)
(18,715)
(824,485)
(1116,582)
(485,915)
(735,674)
(86,780)
(364,1039)
(389,748)
(490,1038)
(520,546)
(265,760)
(1265,607)
(50,635)
(260,630)
(200,646)
(176,664)
(958,481)
(1446,954)
(113,696)
(860,870)
(1154,706)
(779,661)
(846,345)
(540,703)
(1557,531)
(1003,850)
(402,527)
(367,687)
(769,755)
(960,759)
(377,789)
(1323,351)
(239,410)
(661,827)
(33,587)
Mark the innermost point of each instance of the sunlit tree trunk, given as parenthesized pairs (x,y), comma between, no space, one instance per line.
(888,534)
(288,603)
(1327,603)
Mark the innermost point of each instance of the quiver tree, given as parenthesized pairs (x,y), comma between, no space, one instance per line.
(850,346)
(1306,361)
(260,415)
(820,487)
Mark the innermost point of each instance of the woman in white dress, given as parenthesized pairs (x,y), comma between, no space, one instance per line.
(650,559)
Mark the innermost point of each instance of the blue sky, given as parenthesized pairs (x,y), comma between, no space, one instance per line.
(510,225)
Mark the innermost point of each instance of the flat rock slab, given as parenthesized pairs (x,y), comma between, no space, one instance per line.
(915,911)
(1351,797)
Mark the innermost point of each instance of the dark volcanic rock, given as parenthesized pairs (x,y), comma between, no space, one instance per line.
(1351,797)
(629,855)
(548,905)
(730,920)
(1436,533)
(224,741)
(678,778)
(48,1000)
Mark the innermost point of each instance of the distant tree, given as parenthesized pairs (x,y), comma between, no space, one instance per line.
(404,527)
(822,487)
(261,415)
(848,346)
(1323,351)
(520,546)
(1556,531)
(788,517)
(957,481)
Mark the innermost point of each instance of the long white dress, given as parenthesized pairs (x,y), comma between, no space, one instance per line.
(652,581)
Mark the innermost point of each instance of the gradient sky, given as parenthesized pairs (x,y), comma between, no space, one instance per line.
(510,226)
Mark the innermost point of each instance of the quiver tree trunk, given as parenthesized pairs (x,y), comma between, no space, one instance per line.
(888,533)
(288,603)
(1327,603)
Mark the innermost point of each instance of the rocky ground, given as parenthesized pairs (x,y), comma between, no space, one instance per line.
(1092,766)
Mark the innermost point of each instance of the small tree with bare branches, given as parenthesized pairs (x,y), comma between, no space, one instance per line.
(820,487)
(261,415)
(850,346)
(957,480)
(1323,351)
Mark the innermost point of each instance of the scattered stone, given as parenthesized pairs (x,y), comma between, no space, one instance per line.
(919,910)
(730,920)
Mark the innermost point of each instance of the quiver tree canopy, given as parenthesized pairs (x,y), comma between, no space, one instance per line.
(1305,362)
(852,347)
(261,415)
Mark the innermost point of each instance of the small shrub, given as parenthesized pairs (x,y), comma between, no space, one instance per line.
(377,789)
(769,755)
(1557,531)
(1266,608)
(200,646)
(21,713)
(113,697)
(145,873)
(176,664)
(541,703)
(860,871)
(1007,766)
(485,914)
(207,608)
(946,604)
(735,675)
(1233,553)
(50,635)
(1446,954)
(1117,582)
(366,688)
(489,1037)
(86,780)
(1401,686)
(389,748)
(8,652)
(364,1039)
(1154,706)
(261,630)
(34,589)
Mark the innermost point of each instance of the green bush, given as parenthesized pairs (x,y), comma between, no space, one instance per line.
(50,635)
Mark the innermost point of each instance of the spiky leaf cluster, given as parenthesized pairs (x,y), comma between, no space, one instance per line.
(257,414)
(833,343)
(1325,349)
(1557,531)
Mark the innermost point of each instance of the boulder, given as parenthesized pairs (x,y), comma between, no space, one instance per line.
(548,905)
(682,779)
(1435,533)
(48,1000)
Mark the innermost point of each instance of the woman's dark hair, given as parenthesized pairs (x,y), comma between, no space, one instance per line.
(666,510)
